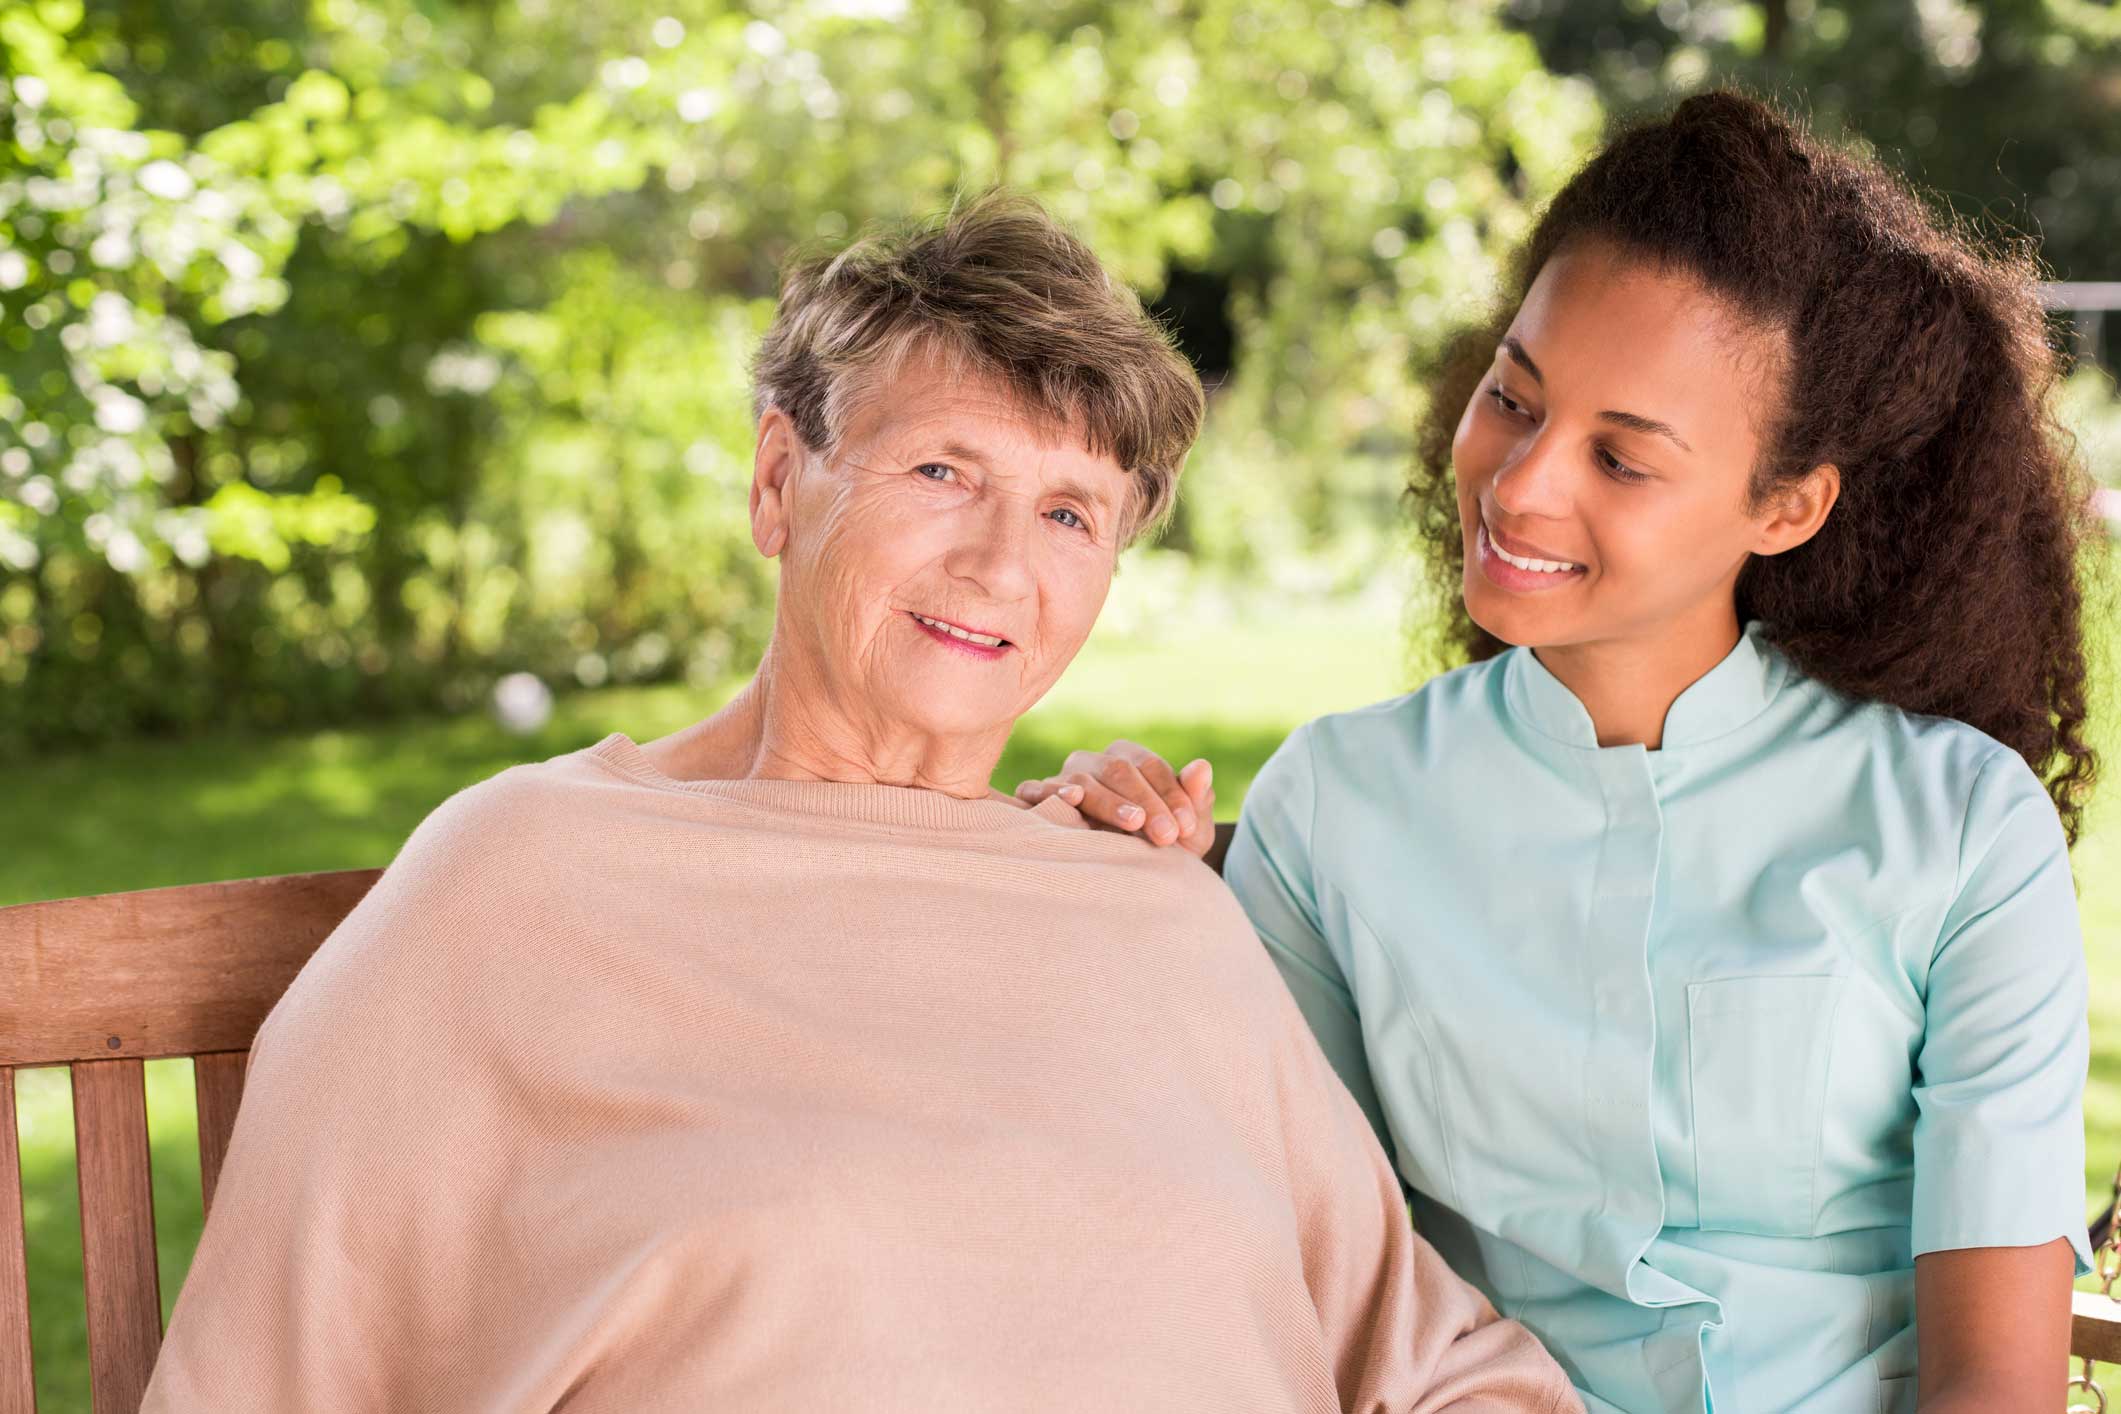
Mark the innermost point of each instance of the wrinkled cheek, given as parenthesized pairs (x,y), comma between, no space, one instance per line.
(852,612)
(1063,625)
(1060,649)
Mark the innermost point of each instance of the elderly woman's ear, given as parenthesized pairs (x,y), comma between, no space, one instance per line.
(779,450)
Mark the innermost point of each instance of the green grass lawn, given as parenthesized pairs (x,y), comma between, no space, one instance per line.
(146,814)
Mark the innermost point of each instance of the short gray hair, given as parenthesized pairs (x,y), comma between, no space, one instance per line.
(1002,289)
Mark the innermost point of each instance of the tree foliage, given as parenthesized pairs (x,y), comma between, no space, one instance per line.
(2010,109)
(354,352)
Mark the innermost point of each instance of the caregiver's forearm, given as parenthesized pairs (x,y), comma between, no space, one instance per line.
(1993,1396)
(1992,1327)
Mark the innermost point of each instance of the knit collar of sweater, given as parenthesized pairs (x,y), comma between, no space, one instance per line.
(909,807)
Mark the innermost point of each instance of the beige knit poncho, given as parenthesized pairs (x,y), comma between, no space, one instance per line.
(623,1094)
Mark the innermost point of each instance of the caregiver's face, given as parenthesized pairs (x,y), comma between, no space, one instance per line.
(1603,464)
(946,561)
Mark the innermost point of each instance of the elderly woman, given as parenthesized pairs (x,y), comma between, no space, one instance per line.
(780,1064)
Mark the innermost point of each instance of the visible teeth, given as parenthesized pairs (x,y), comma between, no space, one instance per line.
(984,640)
(1539,566)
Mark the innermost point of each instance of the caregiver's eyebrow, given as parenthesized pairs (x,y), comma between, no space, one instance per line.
(1516,352)
(1634,421)
(1651,425)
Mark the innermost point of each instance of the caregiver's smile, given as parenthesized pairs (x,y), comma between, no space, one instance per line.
(1522,568)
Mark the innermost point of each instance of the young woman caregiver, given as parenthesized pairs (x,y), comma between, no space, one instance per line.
(1709,959)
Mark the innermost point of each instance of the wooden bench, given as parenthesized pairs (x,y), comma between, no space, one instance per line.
(103,984)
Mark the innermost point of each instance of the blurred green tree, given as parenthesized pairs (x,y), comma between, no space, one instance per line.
(356,351)
(2010,109)
(359,350)
(2008,112)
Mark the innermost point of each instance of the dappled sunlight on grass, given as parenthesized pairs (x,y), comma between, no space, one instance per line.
(145,814)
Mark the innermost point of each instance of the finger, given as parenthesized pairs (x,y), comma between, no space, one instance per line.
(1032,792)
(1199,841)
(1202,840)
(1198,777)
(1157,772)
(1104,807)
(1159,822)
(1086,763)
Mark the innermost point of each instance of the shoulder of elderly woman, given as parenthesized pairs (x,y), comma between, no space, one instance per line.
(486,844)
(477,868)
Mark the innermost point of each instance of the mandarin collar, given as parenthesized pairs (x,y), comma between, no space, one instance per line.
(1726,697)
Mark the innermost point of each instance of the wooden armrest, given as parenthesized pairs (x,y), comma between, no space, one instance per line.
(2095,1326)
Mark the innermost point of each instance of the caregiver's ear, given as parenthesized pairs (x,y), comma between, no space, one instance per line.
(773,464)
(1799,510)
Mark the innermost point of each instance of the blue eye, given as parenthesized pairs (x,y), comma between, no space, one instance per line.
(1074,521)
(925,467)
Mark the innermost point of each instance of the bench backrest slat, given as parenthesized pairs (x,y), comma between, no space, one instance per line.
(18,1388)
(117,1231)
(217,1080)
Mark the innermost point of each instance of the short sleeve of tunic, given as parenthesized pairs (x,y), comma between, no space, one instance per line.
(1269,869)
(1999,1138)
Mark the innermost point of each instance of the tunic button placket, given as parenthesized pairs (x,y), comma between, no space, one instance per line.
(1625,1039)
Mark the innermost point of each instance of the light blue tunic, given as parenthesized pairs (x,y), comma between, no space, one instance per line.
(1686,1054)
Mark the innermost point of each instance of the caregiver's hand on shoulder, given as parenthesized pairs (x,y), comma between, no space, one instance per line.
(1129,788)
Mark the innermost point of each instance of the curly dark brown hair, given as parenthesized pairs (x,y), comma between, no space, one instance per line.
(1947,578)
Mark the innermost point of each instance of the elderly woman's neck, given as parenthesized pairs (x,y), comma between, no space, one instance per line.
(774,731)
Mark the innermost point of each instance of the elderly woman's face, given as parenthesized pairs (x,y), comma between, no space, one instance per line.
(944,565)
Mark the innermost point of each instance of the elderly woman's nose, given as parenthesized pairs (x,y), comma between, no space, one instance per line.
(994,550)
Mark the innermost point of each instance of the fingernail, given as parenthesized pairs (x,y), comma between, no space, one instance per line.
(1130,814)
(1163,831)
(1186,820)
(1072,794)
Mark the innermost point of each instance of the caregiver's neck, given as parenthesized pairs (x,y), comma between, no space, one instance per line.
(783,727)
(1628,684)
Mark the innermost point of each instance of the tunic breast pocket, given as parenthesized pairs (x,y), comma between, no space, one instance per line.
(1759,1052)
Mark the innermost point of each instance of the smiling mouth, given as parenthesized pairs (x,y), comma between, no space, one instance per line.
(1529,564)
(963,635)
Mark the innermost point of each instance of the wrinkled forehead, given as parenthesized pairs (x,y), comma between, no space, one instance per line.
(928,406)
(917,380)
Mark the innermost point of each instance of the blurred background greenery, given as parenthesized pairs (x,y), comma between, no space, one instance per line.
(358,354)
